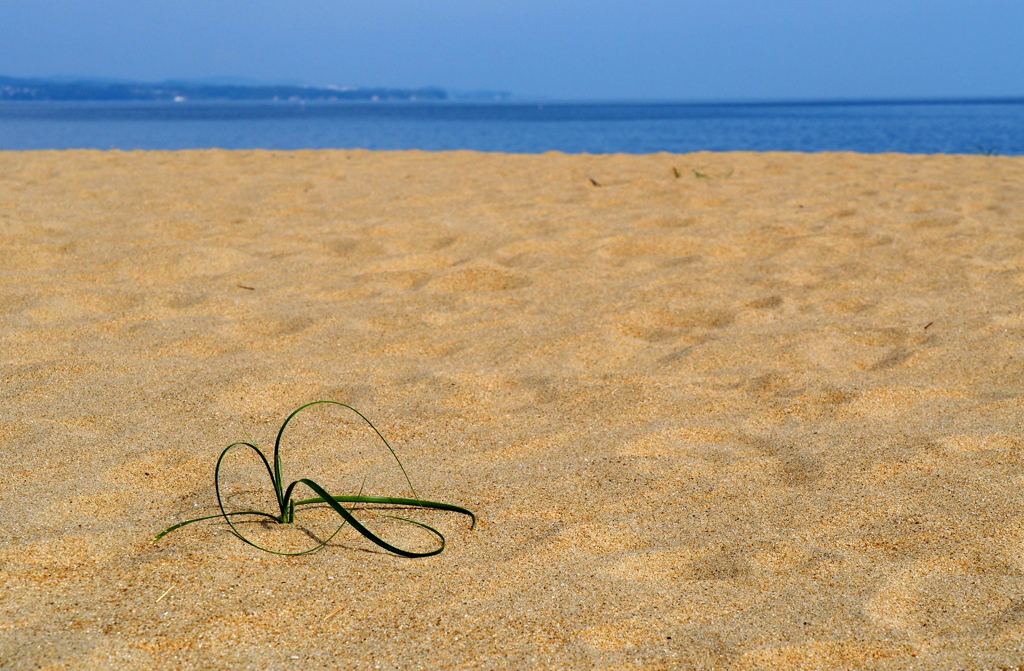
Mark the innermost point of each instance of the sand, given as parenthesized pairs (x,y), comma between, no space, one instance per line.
(765,414)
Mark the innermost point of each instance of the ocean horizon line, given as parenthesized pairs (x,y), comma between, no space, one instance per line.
(542,101)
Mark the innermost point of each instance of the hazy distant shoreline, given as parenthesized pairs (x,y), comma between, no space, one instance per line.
(17,89)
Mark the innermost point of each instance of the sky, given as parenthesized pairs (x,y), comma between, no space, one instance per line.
(687,50)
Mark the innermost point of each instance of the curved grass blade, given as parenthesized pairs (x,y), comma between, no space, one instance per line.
(287,506)
(391,500)
(222,513)
(369,535)
(280,434)
(287,511)
(211,517)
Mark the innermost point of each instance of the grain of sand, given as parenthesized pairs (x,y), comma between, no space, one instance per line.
(768,417)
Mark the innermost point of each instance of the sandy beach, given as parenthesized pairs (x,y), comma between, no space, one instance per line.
(713,411)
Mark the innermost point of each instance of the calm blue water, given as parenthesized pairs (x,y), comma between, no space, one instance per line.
(966,127)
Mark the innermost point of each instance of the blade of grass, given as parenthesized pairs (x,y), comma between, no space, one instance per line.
(369,535)
(211,517)
(287,505)
(391,500)
(280,434)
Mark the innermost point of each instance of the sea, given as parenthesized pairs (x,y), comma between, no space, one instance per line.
(994,127)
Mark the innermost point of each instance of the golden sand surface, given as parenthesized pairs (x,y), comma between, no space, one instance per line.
(714,411)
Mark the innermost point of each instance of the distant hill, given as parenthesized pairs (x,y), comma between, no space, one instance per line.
(12,88)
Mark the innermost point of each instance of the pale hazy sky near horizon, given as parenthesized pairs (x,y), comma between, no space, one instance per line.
(568,49)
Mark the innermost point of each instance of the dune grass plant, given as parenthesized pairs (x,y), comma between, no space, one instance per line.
(287,504)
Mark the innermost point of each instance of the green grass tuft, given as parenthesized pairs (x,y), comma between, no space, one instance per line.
(287,504)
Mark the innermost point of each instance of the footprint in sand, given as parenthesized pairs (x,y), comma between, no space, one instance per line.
(943,597)
(479,279)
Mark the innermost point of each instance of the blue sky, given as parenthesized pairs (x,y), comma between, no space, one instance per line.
(571,49)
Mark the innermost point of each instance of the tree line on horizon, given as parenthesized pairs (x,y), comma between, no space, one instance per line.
(18,89)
